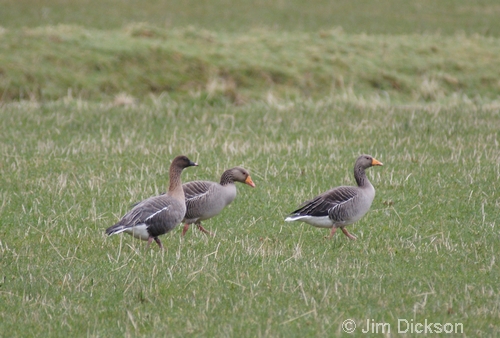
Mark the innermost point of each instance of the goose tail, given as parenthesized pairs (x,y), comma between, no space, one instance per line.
(293,218)
(116,229)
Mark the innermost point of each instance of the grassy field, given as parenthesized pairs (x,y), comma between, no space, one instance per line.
(401,51)
(427,250)
(50,63)
(94,105)
(354,16)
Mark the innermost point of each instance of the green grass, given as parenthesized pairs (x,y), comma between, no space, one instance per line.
(97,97)
(426,250)
(354,16)
(50,63)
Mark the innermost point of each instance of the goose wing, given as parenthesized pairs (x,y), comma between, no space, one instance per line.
(197,194)
(160,214)
(326,203)
(195,189)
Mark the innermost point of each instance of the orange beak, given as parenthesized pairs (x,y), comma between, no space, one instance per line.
(376,162)
(250,182)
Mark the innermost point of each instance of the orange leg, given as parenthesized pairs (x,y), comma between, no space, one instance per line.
(333,232)
(202,229)
(186,228)
(344,230)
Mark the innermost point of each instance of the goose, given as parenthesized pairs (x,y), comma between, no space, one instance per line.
(341,206)
(157,215)
(206,199)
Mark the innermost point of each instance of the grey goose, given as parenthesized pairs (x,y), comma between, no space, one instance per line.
(157,215)
(206,199)
(341,206)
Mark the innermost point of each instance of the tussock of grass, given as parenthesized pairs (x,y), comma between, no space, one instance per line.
(427,249)
(50,63)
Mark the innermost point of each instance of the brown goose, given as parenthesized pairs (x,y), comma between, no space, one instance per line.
(340,206)
(157,215)
(205,199)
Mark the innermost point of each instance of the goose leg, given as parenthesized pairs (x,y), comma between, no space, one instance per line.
(334,228)
(186,228)
(157,240)
(344,230)
(202,229)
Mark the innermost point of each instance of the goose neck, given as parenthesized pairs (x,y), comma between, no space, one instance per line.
(175,185)
(360,176)
(226,178)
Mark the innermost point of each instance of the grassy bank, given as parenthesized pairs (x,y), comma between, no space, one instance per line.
(49,63)
(427,249)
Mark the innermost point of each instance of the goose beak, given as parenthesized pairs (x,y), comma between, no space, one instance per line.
(376,162)
(250,182)
(193,164)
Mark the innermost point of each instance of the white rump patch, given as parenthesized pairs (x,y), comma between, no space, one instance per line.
(320,222)
(139,231)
